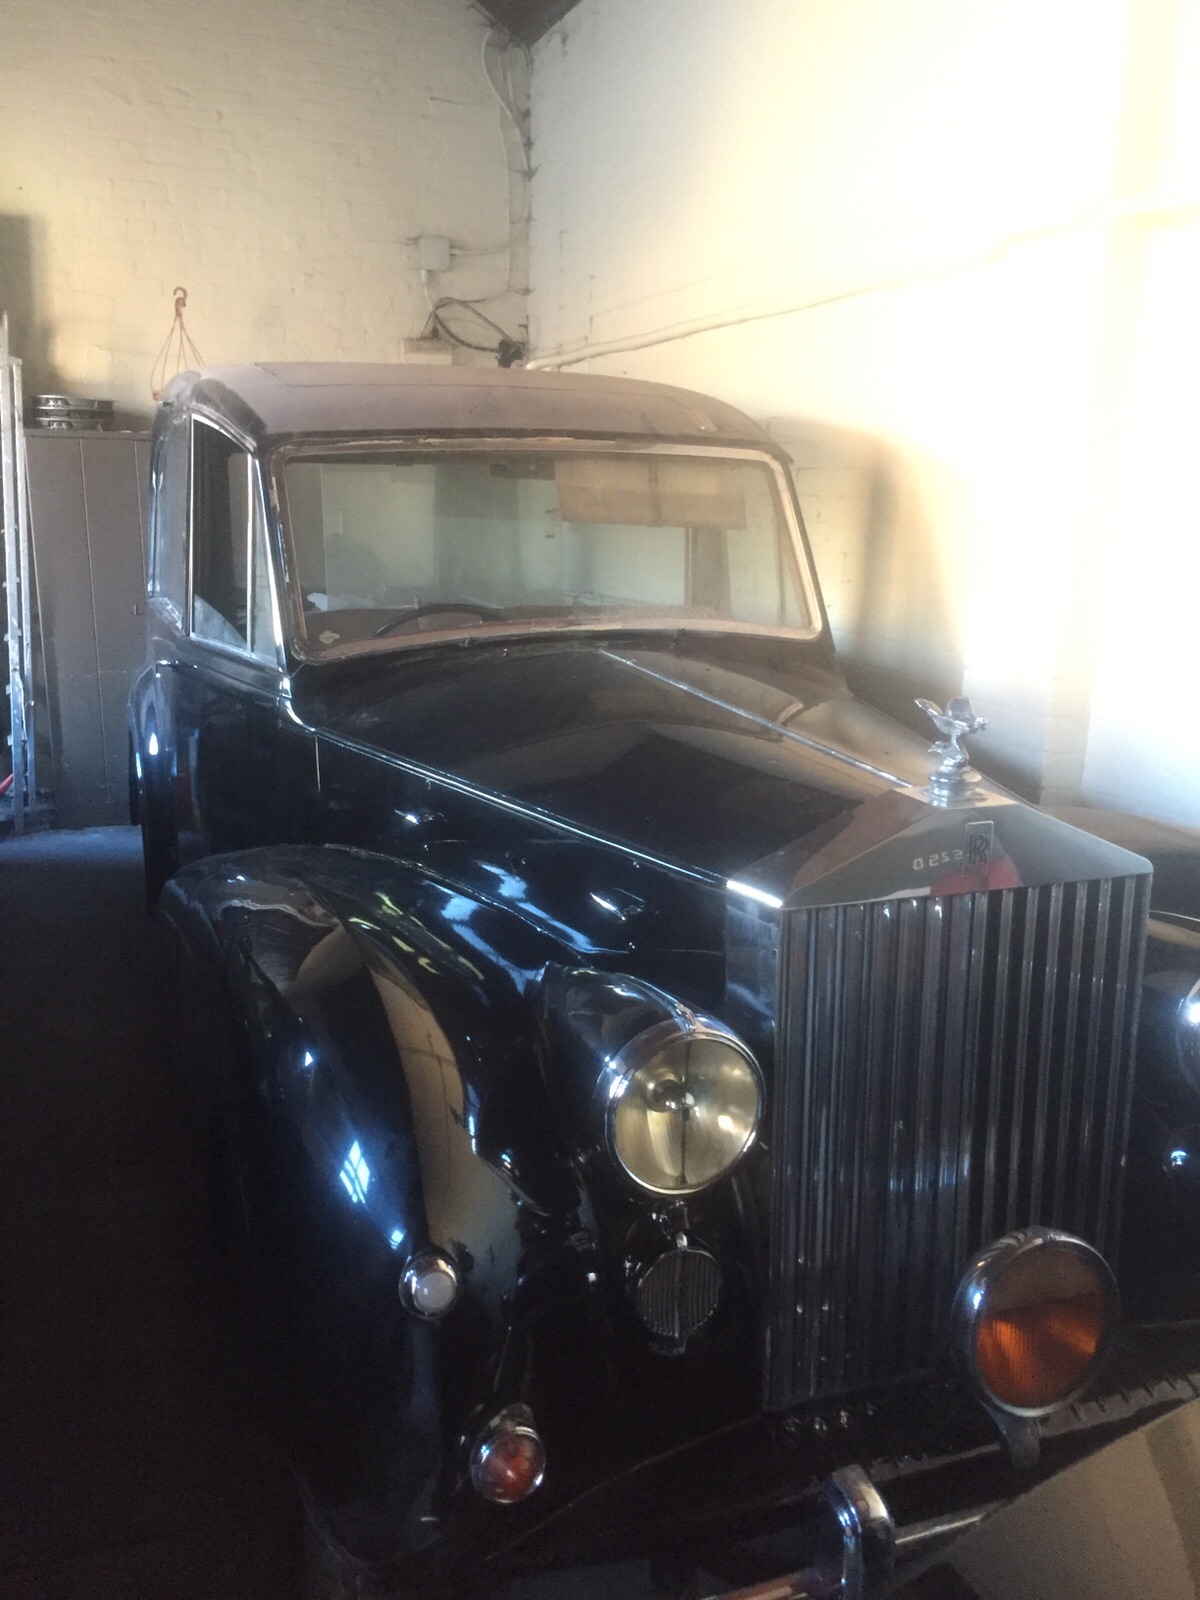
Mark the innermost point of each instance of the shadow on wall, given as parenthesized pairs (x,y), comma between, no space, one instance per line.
(892,586)
(28,335)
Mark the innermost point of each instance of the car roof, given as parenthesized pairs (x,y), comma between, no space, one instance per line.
(274,403)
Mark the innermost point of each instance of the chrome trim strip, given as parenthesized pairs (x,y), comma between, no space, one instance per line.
(1135,912)
(1095,1015)
(1074,975)
(447,780)
(763,722)
(917,1533)
(1044,1063)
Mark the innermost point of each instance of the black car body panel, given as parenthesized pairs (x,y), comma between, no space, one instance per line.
(397,864)
(602,737)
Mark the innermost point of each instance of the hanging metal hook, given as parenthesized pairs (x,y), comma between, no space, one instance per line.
(178,343)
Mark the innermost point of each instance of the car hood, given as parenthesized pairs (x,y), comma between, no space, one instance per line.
(706,762)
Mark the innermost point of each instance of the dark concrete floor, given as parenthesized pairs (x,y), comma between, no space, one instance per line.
(134,1463)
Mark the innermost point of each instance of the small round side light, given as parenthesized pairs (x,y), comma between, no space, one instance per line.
(430,1284)
(1034,1319)
(509,1459)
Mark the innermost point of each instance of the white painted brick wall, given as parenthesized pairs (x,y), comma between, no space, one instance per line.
(272,157)
(957,236)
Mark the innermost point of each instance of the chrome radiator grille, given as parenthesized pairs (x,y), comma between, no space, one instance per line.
(951,1068)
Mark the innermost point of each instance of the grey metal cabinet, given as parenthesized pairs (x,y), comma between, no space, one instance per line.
(88,495)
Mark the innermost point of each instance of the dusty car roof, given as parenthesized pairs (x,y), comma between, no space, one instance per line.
(277,402)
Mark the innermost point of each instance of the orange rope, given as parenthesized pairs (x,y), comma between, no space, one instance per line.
(178,340)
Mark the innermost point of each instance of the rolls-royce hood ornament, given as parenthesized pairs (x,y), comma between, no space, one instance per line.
(953,775)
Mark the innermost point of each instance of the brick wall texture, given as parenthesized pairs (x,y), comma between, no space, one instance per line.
(273,158)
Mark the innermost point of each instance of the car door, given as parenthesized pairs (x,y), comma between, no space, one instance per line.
(228,667)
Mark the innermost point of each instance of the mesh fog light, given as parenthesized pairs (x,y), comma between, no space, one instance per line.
(1034,1319)
(509,1459)
(430,1284)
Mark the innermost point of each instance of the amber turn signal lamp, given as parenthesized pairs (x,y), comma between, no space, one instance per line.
(1034,1319)
(509,1459)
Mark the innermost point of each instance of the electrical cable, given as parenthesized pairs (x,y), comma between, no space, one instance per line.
(507,350)
(465,344)
(472,306)
(505,102)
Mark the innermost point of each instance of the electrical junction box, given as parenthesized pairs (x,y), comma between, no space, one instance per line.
(433,252)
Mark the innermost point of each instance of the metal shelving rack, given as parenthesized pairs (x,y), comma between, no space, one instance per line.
(14,506)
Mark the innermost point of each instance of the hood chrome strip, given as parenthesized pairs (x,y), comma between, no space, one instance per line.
(762,722)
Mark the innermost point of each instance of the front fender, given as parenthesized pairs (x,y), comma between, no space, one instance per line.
(386,1089)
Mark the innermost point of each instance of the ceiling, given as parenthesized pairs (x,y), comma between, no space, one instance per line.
(526,20)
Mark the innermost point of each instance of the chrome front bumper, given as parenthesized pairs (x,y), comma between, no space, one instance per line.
(855,1543)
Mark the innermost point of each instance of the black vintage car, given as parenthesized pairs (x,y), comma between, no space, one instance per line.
(656,1095)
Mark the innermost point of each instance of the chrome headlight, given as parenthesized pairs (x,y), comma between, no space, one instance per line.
(682,1102)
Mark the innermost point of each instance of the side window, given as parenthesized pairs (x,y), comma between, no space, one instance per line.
(231,594)
(168,527)
(262,619)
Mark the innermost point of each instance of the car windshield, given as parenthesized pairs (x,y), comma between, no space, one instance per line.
(387,544)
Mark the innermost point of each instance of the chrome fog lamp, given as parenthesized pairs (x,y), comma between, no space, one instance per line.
(1034,1319)
(682,1102)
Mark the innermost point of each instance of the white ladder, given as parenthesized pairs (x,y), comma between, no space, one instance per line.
(14,508)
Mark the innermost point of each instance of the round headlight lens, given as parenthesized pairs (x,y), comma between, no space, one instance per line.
(684,1109)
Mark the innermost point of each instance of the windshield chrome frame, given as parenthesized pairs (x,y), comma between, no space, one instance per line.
(300,646)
